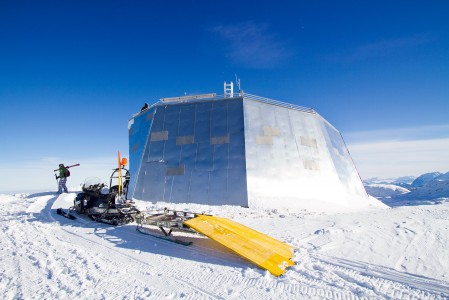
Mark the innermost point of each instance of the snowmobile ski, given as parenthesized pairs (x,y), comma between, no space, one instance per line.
(63,213)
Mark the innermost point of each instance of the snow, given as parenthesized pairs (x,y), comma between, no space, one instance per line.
(394,253)
(384,190)
(425,178)
(429,188)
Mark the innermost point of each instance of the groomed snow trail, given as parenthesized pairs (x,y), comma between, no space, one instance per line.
(44,255)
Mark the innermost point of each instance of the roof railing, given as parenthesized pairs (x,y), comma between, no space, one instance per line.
(278,103)
(240,94)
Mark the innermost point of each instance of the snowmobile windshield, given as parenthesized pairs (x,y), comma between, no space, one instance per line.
(91,181)
(95,184)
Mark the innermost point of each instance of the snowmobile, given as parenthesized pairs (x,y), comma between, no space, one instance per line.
(102,204)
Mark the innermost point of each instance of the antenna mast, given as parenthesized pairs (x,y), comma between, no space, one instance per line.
(237,81)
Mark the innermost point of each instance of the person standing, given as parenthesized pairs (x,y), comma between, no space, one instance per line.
(62,179)
(144,107)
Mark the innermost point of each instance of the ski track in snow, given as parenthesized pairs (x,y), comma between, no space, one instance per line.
(45,256)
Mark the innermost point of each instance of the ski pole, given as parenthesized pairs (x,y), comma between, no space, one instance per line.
(57,182)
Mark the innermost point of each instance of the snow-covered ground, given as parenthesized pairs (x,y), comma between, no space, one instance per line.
(429,188)
(396,253)
(382,190)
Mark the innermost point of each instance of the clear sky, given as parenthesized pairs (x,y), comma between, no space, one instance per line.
(73,72)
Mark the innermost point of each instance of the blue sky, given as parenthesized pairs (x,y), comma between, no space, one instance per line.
(73,72)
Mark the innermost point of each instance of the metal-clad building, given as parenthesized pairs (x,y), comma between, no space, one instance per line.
(239,150)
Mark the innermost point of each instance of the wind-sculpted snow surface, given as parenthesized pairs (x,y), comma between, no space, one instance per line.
(385,190)
(398,253)
(433,192)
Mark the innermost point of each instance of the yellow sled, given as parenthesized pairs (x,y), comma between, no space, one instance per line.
(263,250)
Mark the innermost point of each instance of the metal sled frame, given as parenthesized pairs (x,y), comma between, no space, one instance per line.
(167,221)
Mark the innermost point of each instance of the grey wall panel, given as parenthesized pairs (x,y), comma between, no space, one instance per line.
(185,140)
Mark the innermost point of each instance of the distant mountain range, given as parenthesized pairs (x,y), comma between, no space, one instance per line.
(428,188)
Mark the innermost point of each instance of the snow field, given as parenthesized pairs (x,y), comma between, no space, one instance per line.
(398,253)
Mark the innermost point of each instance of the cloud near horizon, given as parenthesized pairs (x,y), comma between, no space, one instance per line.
(389,159)
(252,45)
(38,175)
(399,134)
(400,152)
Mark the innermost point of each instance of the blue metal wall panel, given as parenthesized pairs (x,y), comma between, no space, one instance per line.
(138,133)
(191,152)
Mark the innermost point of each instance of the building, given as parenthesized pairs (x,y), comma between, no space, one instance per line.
(241,149)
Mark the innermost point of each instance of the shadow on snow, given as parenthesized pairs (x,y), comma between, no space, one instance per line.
(203,249)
